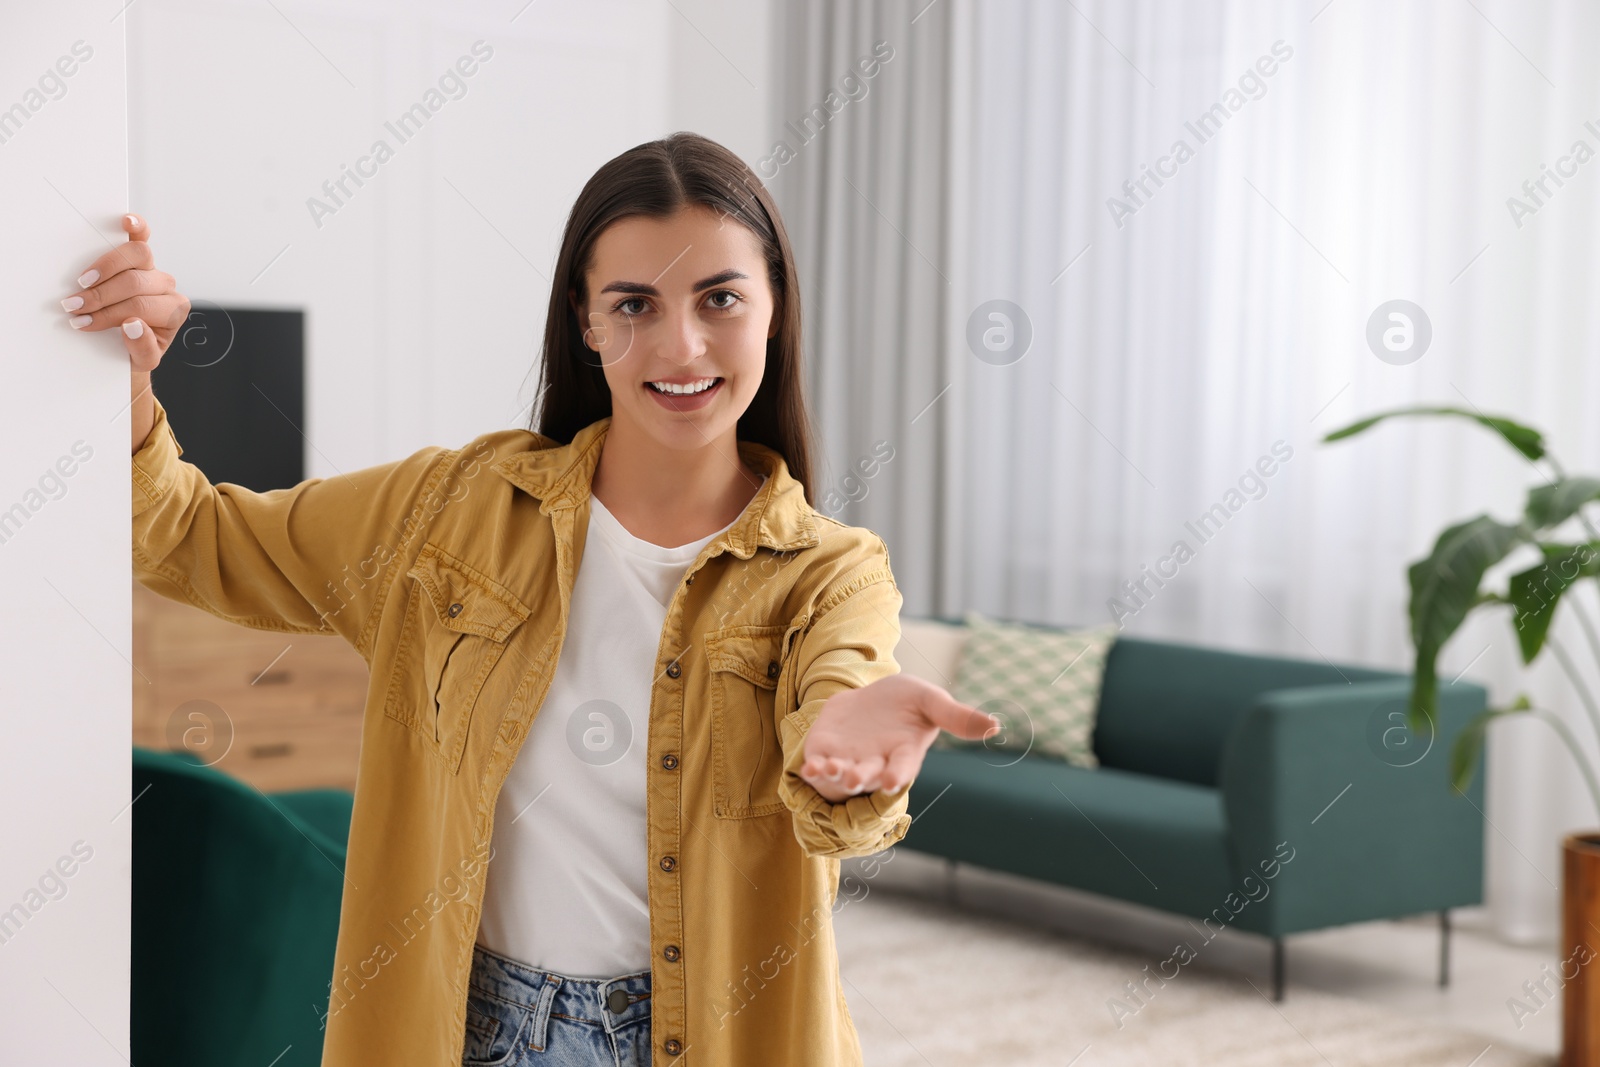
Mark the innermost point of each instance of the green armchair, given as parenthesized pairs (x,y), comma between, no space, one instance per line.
(235,911)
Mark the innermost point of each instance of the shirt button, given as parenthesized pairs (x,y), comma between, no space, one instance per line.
(671,953)
(772,669)
(455,609)
(673,1046)
(668,863)
(673,670)
(669,761)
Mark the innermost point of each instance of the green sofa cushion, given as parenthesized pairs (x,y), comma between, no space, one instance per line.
(1148,840)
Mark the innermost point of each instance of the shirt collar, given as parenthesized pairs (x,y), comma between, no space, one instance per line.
(559,476)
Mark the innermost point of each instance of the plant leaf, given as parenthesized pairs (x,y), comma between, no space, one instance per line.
(1524,439)
(1444,587)
(1554,504)
(1469,742)
(1535,592)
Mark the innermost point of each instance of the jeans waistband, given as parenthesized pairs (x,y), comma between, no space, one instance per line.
(612,1003)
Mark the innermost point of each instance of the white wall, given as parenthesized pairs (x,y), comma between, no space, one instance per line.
(426,291)
(66,861)
(722,72)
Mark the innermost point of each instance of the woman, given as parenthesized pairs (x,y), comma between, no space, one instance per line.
(665,750)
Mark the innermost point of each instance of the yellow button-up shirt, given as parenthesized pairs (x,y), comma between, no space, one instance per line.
(451,573)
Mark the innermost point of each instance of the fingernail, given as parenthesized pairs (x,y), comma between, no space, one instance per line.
(134,329)
(78,322)
(88,278)
(133,219)
(72,303)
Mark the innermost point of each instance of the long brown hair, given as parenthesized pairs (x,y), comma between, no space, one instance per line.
(655,179)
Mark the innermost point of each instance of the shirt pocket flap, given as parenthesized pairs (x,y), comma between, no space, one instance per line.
(464,599)
(752,652)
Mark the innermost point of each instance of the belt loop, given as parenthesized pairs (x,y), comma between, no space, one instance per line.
(539,1025)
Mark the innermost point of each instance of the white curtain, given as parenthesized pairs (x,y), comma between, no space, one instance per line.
(1367,154)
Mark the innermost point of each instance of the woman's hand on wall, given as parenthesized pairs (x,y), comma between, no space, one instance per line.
(123,289)
(875,737)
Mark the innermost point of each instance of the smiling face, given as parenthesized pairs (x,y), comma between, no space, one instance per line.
(678,316)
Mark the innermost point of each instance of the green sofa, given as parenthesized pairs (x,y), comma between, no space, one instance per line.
(1216,770)
(235,911)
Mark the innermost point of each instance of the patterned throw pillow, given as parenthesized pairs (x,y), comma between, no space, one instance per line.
(1043,684)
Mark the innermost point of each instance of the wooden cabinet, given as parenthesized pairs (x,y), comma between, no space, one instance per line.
(280,711)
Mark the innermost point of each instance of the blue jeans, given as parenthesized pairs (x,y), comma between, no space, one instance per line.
(518,1015)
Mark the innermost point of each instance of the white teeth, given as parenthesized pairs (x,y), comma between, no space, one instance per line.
(684,390)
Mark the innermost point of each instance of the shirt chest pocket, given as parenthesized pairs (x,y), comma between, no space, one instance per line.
(745,665)
(457,625)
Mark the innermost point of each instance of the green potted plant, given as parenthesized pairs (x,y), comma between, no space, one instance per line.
(1449,584)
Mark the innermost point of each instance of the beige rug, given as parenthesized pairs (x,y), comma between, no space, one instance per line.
(930,986)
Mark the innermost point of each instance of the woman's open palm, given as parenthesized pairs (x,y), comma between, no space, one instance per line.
(874,737)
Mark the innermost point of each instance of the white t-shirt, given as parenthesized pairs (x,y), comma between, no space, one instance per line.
(566,890)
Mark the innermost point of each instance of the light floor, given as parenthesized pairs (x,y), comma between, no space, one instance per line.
(1389,964)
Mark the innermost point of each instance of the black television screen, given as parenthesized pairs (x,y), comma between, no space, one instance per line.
(233,384)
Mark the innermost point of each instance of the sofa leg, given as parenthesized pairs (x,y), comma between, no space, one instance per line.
(1277,969)
(1444,948)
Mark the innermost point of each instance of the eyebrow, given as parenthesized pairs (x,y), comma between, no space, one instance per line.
(642,289)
